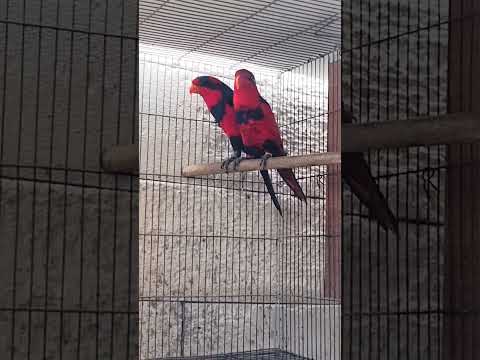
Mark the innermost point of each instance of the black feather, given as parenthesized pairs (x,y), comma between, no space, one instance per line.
(268,183)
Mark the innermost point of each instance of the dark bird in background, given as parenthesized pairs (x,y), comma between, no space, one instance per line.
(218,97)
(258,127)
(356,173)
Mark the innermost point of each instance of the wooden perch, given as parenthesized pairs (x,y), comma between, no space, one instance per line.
(283,162)
(121,159)
(454,128)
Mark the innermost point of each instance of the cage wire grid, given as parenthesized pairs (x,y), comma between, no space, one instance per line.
(393,288)
(69,234)
(279,34)
(401,294)
(220,271)
(234,279)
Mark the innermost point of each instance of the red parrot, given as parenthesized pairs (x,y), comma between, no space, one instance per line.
(219,99)
(258,128)
(356,173)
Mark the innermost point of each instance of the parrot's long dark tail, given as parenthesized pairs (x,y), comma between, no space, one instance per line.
(289,177)
(357,175)
(268,183)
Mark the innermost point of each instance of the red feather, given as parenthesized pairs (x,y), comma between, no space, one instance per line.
(219,100)
(228,124)
(212,98)
(258,127)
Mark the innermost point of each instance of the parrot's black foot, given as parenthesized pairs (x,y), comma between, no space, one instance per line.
(263,161)
(226,163)
(236,162)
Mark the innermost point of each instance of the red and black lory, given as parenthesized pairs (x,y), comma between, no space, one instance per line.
(356,173)
(258,128)
(218,97)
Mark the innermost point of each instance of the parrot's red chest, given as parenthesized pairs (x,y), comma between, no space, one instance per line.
(253,134)
(256,131)
(228,125)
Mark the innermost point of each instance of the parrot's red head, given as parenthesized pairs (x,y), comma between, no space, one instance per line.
(245,90)
(212,90)
(217,96)
(244,79)
(202,85)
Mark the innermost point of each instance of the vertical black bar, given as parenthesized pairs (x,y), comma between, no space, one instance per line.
(143,160)
(350,205)
(153,234)
(316,253)
(427,189)
(179,196)
(115,214)
(67,155)
(134,230)
(361,98)
(437,218)
(168,236)
(50,164)
(19,150)
(100,181)
(407,204)
(162,239)
(417,185)
(182,327)
(397,184)
(371,317)
(65,207)
(149,178)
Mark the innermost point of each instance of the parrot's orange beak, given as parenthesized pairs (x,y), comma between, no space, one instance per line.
(194,89)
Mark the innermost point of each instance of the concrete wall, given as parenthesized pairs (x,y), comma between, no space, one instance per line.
(68,244)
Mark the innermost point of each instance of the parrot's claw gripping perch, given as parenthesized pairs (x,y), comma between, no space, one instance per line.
(263,161)
(236,162)
(226,163)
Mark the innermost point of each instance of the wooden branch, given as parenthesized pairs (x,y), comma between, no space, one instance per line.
(283,162)
(427,130)
(121,159)
(454,128)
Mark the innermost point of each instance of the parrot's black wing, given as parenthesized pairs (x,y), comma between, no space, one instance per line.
(356,173)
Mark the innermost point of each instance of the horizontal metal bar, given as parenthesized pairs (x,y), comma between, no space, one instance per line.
(260,299)
(69,30)
(211,28)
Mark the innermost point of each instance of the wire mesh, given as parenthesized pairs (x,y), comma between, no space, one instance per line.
(222,275)
(68,230)
(273,33)
(396,58)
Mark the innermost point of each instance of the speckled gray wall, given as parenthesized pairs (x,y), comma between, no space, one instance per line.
(69,243)
(394,66)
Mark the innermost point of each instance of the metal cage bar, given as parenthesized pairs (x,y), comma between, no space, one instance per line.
(69,230)
(394,67)
(274,33)
(220,271)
